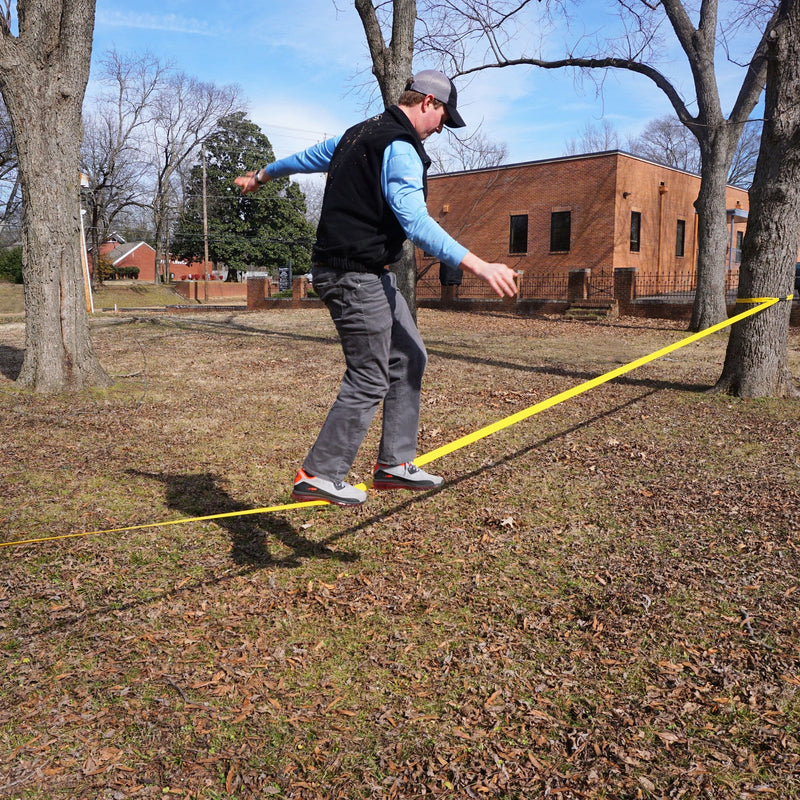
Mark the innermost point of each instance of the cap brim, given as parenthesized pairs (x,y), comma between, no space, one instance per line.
(454,119)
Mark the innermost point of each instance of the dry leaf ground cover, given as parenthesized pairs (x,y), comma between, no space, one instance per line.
(602,601)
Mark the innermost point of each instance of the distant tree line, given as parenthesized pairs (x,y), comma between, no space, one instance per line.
(145,136)
(666,140)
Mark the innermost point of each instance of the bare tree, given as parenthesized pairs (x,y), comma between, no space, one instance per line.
(638,49)
(756,359)
(594,139)
(185,111)
(743,165)
(44,70)
(666,140)
(112,156)
(475,151)
(313,189)
(11,193)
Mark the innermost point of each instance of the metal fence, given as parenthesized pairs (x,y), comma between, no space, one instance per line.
(599,286)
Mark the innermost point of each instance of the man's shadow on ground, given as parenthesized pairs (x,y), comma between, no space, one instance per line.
(199,495)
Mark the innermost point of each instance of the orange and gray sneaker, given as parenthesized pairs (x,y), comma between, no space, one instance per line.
(312,487)
(403,476)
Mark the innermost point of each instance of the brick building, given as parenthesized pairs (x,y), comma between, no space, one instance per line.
(120,253)
(600,211)
(130,254)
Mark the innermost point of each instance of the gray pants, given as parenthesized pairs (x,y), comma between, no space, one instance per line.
(385,359)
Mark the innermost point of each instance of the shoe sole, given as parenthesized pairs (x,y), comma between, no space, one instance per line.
(314,496)
(384,484)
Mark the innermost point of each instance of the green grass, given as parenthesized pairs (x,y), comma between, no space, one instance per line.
(127,295)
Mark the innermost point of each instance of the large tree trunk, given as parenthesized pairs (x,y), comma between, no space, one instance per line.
(43,75)
(756,359)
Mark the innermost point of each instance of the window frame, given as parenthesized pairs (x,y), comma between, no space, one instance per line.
(636,232)
(516,237)
(680,239)
(558,232)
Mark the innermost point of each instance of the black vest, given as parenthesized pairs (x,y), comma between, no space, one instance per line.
(357,228)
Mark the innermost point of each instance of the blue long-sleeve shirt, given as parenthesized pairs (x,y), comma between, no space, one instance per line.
(401,184)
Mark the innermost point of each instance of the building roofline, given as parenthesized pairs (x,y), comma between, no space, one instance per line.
(133,246)
(576,157)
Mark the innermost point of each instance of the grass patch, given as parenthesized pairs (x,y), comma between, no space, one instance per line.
(601,601)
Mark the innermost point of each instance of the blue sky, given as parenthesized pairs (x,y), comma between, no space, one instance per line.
(303,68)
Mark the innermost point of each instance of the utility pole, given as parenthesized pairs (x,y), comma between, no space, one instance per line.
(205,227)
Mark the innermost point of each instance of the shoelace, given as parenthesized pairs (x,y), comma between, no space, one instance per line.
(339,485)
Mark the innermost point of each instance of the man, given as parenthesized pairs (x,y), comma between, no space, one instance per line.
(374,199)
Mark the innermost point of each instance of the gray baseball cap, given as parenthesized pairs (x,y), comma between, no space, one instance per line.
(431,81)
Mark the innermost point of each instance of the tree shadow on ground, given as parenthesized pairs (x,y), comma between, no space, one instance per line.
(200,495)
(11,361)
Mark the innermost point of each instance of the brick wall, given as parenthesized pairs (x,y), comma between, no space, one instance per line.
(599,191)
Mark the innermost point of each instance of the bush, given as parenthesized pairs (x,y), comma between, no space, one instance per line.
(105,270)
(11,265)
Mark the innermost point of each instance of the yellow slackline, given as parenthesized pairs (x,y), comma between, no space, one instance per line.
(764,302)
(759,304)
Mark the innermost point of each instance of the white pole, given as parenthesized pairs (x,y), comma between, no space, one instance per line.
(87,283)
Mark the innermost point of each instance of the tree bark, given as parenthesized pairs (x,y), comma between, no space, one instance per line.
(756,359)
(43,76)
(710,305)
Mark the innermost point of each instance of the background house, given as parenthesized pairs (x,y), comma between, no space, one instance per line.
(600,211)
(119,253)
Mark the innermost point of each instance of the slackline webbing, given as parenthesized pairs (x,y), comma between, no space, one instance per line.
(759,304)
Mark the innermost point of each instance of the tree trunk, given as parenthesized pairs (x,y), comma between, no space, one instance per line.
(756,359)
(43,75)
(405,268)
(709,302)
(392,68)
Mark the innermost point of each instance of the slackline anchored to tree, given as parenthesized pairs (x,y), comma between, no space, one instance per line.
(759,304)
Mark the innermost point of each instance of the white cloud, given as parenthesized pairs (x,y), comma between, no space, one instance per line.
(172,23)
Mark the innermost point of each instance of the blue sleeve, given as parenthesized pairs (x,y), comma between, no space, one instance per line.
(314,159)
(401,182)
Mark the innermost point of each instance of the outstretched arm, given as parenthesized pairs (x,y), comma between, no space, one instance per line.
(313,159)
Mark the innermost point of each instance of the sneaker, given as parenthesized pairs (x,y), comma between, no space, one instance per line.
(312,487)
(404,476)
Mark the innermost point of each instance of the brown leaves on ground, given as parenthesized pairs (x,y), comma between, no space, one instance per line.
(601,602)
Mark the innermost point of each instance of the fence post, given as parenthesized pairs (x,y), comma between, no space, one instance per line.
(448,295)
(625,284)
(578,284)
(256,293)
(299,290)
(510,301)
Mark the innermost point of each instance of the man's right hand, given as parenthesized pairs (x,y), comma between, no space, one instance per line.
(248,183)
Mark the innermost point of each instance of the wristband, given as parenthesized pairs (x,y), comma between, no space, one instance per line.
(258,181)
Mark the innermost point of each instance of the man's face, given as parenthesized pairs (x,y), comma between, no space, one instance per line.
(431,119)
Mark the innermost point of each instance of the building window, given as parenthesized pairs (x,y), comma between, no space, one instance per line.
(680,238)
(737,256)
(636,231)
(560,228)
(518,234)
